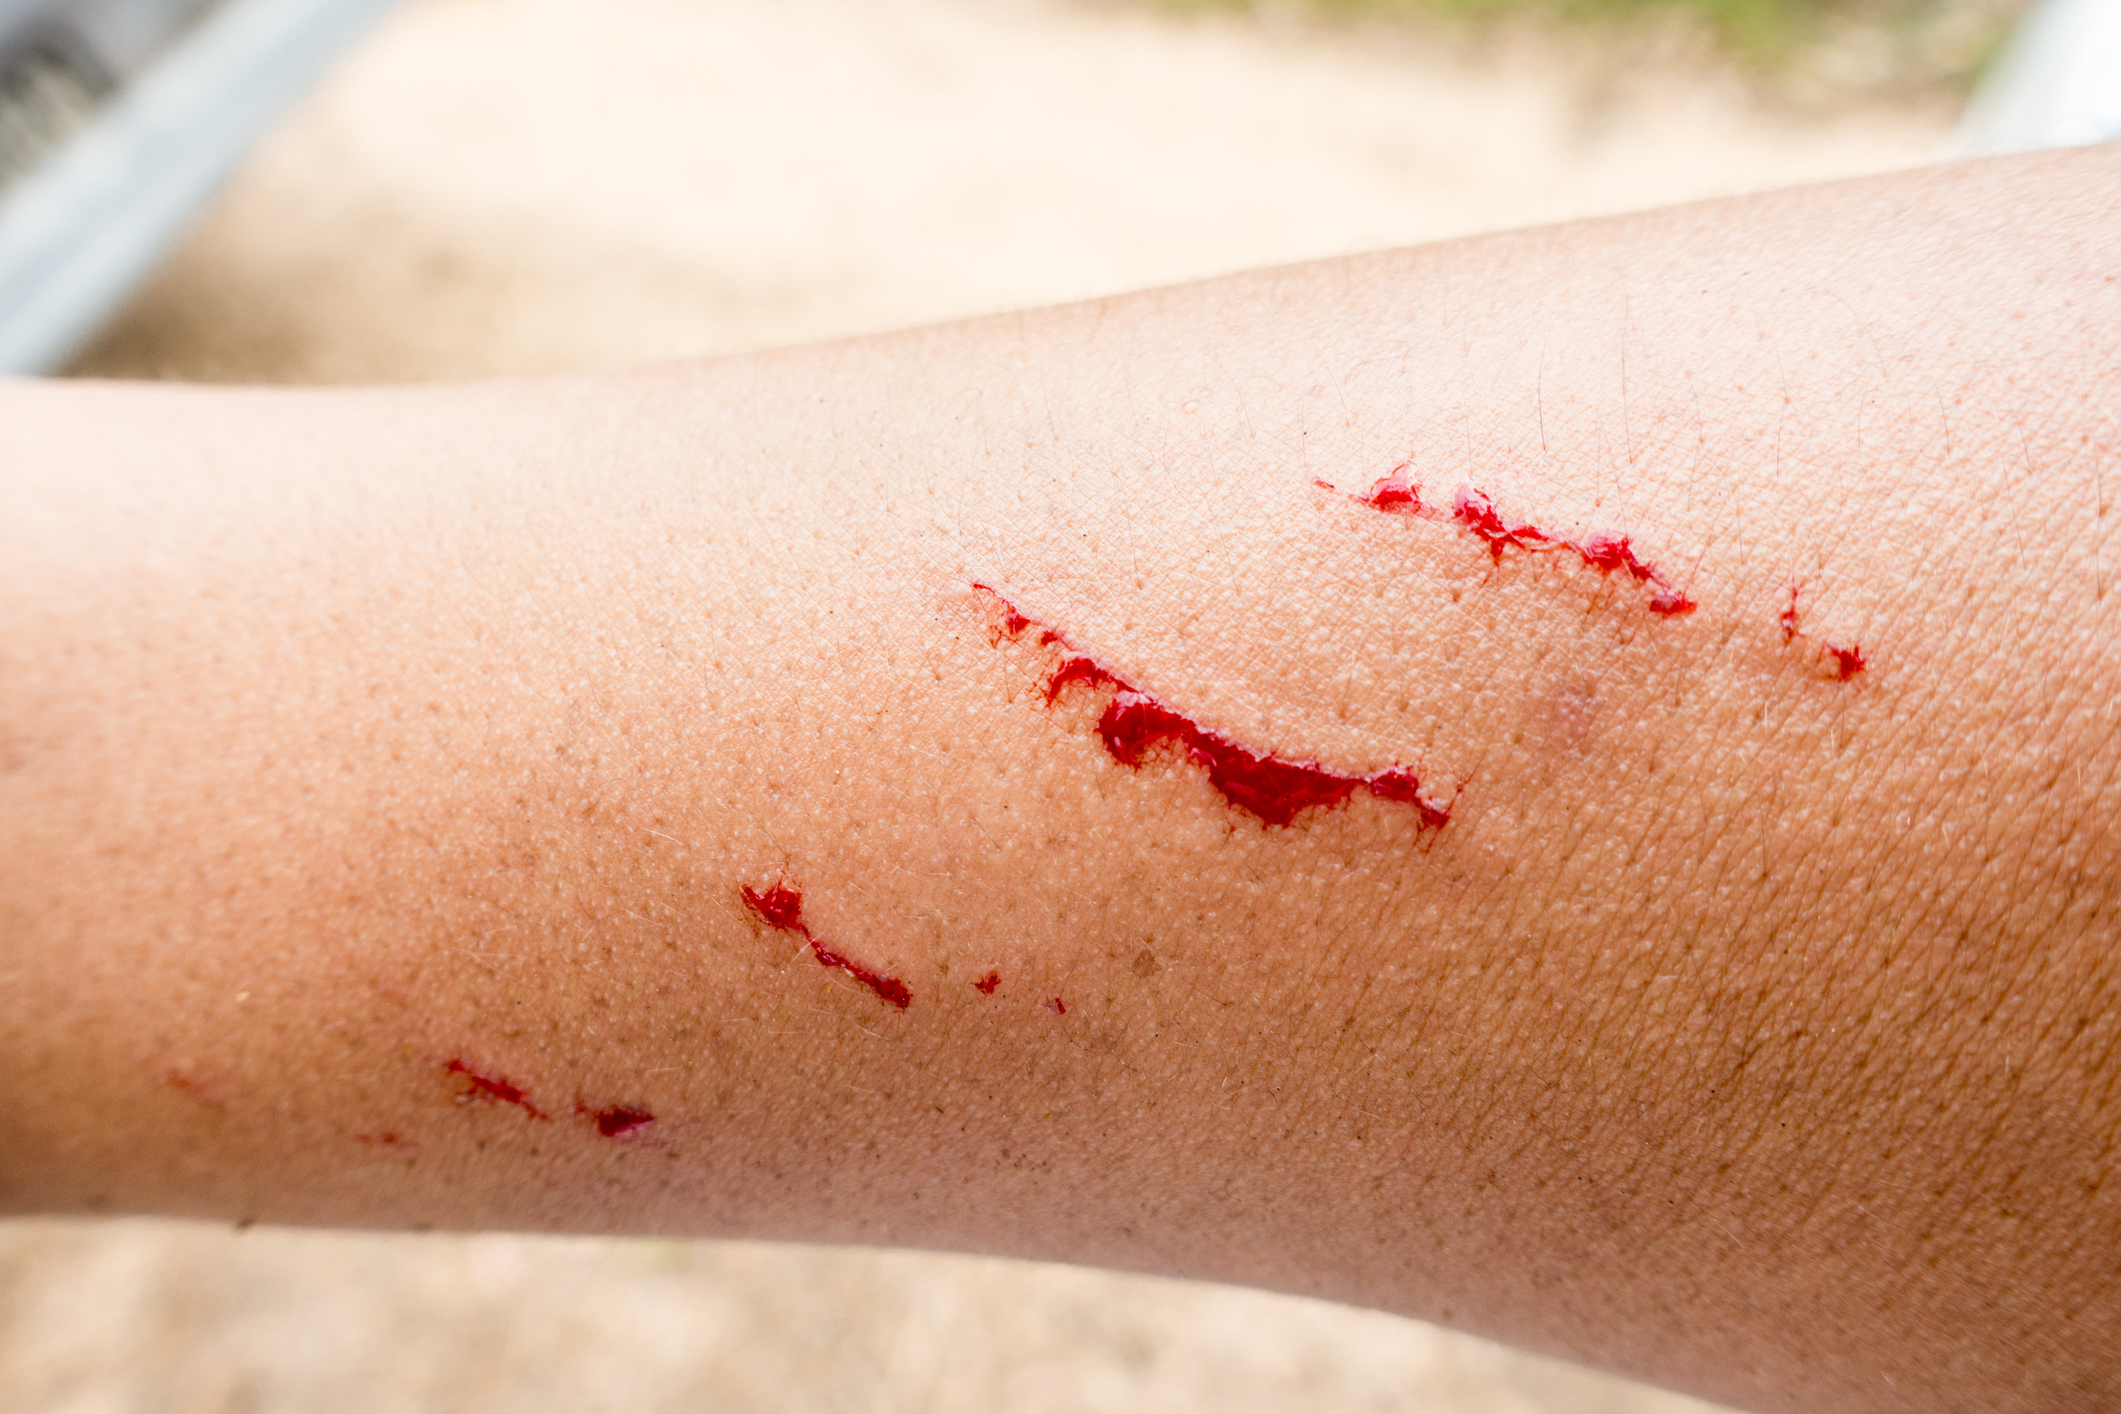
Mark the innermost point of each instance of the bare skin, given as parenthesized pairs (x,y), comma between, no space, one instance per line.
(380,773)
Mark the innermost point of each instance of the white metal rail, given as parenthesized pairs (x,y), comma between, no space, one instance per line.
(79,232)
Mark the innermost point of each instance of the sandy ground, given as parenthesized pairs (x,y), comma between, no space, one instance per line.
(155,1317)
(516,185)
(493,186)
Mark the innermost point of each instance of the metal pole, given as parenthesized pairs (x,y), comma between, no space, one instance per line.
(79,232)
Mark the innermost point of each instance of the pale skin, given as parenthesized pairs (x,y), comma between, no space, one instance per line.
(1748,1029)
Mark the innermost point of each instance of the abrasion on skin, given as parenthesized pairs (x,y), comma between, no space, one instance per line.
(781,907)
(1272,790)
(1475,512)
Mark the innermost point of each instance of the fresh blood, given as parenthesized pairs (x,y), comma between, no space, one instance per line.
(492,1088)
(782,907)
(1275,791)
(1843,662)
(616,1121)
(1474,511)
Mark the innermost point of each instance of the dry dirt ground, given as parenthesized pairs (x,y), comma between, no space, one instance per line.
(493,186)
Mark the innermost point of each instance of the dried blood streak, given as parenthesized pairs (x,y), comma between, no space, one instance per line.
(1276,791)
(1474,511)
(492,1088)
(782,907)
(183,1084)
(616,1121)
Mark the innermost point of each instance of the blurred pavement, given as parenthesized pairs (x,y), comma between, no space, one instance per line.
(527,185)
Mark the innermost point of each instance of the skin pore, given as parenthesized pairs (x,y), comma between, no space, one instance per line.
(505,805)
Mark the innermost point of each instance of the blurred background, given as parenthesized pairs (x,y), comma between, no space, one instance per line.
(480,187)
(497,186)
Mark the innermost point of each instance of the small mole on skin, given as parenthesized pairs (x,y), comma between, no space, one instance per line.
(989,982)
(1145,964)
(1266,786)
(782,907)
(492,1088)
(616,1121)
(1474,511)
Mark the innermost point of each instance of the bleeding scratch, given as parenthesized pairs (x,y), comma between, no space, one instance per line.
(1475,512)
(782,907)
(491,1088)
(1272,789)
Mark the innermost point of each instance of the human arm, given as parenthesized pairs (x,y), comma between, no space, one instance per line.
(384,772)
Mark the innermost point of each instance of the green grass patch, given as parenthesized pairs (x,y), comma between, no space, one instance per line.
(1928,42)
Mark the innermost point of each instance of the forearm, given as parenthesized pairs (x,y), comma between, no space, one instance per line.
(386,771)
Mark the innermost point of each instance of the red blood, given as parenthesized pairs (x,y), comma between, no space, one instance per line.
(1077,669)
(1012,623)
(1474,511)
(183,1084)
(616,1121)
(384,1140)
(1398,785)
(1848,661)
(889,988)
(1404,787)
(782,907)
(1057,1007)
(1134,724)
(1274,790)
(492,1088)
(1788,617)
(1396,492)
(989,982)
(1608,552)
